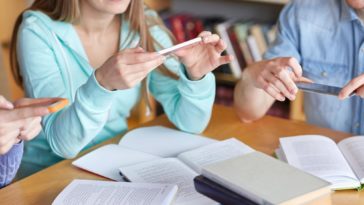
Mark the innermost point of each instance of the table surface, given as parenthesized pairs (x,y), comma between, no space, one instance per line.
(262,135)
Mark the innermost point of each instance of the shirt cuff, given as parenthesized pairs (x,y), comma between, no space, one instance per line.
(198,88)
(17,148)
(94,95)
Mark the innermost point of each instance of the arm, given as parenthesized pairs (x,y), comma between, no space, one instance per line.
(9,163)
(188,101)
(250,102)
(264,82)
(69,130)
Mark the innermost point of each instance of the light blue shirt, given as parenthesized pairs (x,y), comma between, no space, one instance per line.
(54,64)
(327,38)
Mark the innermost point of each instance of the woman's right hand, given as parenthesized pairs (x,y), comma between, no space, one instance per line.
(127,68)
(277,77)
(19,123)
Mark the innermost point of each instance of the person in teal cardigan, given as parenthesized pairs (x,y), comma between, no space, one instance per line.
(101,55)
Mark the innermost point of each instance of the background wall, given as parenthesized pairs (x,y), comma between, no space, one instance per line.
(9,11)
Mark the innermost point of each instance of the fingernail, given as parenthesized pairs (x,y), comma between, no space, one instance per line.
(9,105)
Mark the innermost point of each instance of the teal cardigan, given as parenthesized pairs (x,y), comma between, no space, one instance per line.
(53,63)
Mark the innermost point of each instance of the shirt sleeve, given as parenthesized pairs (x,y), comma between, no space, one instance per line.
(287,40)
(71,129)
(188,104)
(9,164)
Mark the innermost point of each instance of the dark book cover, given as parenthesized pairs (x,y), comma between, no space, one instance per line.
(219,193)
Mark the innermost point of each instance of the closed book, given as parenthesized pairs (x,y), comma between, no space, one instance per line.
(258,34)
(254,49)
(265,180)
(222,30)
(241,30)
(219,193)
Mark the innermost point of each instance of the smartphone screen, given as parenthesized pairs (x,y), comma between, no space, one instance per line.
(320,88)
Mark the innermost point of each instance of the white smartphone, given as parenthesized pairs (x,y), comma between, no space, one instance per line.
(179,46)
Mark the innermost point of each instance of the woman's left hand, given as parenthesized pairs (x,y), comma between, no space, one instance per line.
(356,86)
(204,57)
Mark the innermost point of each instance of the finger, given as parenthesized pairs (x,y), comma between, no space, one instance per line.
(294,65)
(6,147)
(274,93)
(25,102)
(301,79)
(360,92)
(7,125)
(281,87)
(136,58)
(205,33)
(147,66)
(220,46)
(30,123)
(30,134)
(4,104)
(132,50)
(288,82)
(351,87)
(212,39)
(225,59)
(9,136)
(23,113)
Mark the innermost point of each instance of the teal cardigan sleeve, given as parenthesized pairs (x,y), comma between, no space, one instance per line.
(188,104)
(71,129)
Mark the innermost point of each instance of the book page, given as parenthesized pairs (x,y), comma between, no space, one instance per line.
(107,160)
(214,152)
(353,150)
(90,192)
(162,141)
(321,157)
(168,171)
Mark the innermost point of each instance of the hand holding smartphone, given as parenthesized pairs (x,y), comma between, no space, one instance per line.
(53,104)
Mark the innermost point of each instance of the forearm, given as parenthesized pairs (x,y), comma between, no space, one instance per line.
(70,130)
(250,102)
(188,104)
(192,110)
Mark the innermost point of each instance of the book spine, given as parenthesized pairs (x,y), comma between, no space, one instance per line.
(219,193)
(234,64)
(253,47)
(257,32)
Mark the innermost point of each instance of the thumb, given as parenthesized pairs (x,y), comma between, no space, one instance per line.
(5,104)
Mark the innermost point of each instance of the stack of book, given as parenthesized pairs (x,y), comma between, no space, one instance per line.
(256,178)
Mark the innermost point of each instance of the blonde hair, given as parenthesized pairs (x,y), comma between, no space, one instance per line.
(69,11)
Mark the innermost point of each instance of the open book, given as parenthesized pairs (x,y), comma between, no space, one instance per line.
(139,145)
(342,165)
(184,168)
(90,192)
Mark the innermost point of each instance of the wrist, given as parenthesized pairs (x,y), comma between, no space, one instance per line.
(100,79)
(191,76)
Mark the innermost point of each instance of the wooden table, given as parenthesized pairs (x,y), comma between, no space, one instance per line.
(44,186)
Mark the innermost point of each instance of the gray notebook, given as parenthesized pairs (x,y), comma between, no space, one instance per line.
(266,180)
